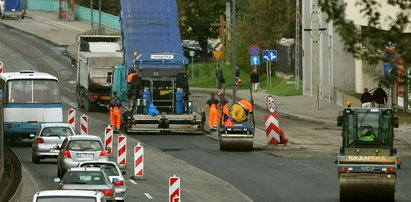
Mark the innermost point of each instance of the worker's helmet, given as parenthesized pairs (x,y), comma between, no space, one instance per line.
(219,94)
(246,105)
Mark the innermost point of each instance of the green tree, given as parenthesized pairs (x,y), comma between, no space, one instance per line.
(196,19)
(107,6)
(367,42)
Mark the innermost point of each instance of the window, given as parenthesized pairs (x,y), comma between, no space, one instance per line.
(84,145)
(109,169)
(56,131)
(66,199)
(33,91)
(85,177)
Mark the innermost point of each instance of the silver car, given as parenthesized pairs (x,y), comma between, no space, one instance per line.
(92,179)
(69,196)
(47,137)
(79,148)
(114,173)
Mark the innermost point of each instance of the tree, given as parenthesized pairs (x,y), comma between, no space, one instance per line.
(196,19)
(367,42)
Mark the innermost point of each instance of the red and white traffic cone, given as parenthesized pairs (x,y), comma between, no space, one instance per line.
(122,151)
(71,118)
(138,162)
(108,139)
(84,125)
(174,188)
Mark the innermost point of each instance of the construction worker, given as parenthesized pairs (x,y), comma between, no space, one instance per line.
(131,75)
(212,104)
(115,114)
(223,107)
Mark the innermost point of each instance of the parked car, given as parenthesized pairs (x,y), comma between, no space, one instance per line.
(93,179)
(47,137)
(79,148)
(114,173)
(69,196)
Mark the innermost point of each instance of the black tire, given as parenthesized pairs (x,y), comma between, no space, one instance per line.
(59,172)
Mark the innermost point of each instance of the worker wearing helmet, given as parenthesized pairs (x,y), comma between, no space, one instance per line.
(223,107)
(212,104)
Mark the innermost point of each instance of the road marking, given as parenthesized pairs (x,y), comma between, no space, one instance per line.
(148,195)
(132,181)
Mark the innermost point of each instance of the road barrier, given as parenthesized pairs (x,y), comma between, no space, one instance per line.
(108,139)
(84,125)
(273,131)
(122,151)
(71,118)
(138,161)
(1,67)
(174,189)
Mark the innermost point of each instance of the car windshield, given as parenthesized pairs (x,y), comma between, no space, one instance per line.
(85,177)
(84,145)
(66,199)
(56,131)
(109,169)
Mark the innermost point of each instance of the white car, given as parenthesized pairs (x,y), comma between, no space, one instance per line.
(47,137)
(68,196)
(114,173)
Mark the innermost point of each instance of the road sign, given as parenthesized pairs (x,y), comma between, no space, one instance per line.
(270,55)
(271,104)
(217,55)
(255,60)
(254,50)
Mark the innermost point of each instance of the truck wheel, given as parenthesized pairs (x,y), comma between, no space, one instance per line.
(89,106)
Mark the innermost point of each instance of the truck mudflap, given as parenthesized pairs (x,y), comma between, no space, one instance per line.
(165,123)
(367,186)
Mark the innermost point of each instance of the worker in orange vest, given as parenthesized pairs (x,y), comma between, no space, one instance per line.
(115,113)
(131,75)
(212,104)
(223,107)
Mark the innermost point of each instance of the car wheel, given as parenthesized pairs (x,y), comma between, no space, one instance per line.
(35,159)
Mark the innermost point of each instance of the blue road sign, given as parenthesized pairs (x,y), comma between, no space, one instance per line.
(255,60)
(254,50)
(270,55)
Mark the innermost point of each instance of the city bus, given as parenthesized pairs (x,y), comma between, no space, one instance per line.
(30,99)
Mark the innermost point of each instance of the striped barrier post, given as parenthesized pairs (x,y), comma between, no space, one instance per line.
(108,139)
(273,131)
(138,162)
(176,199)
(1,67)
(122,151)
(174,188)
(84,125)
(71,118)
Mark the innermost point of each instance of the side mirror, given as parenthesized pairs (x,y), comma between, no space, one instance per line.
(123,172)
(339,120)
(109,74)
(56,148)
(396,122)
(57,180)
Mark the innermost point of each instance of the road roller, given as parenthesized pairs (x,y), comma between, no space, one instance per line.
(368,161)
(236,124)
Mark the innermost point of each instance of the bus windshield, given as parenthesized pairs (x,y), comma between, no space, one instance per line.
(33,91)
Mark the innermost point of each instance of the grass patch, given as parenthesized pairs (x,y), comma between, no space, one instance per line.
(203,76)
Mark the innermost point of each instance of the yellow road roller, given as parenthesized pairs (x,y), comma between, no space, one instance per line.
(236,124)
(368,161)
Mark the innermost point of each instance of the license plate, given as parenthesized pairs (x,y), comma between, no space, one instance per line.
(83,155)
(164,92)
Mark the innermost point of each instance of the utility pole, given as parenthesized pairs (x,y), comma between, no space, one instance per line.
(91,13)
(233,63)
(99,17)
(315,61)
(297,46)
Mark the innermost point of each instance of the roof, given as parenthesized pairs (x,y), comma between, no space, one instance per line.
(26,74)
(84,137)
(67,193)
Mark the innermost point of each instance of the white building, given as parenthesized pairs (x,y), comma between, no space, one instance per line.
(339,71)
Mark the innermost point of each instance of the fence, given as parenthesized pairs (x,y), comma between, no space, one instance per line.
(80,12)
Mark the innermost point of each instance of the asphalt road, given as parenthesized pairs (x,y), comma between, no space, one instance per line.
(207,174)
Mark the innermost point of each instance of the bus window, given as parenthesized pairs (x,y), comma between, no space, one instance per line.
(33,91)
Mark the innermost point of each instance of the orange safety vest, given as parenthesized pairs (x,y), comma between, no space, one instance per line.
(130,76)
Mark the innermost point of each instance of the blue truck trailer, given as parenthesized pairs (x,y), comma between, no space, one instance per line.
(12,8)
(152,48)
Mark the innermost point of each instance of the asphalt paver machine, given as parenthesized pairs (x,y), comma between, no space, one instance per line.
(368,161)
(236,136)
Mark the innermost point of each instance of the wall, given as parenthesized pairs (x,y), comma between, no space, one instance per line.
(80,12)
